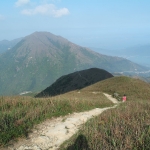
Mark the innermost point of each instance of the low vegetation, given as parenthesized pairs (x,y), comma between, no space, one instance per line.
(19,114)
(126,127)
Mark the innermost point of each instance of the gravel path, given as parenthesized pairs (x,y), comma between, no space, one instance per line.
(50,134)
(111,98)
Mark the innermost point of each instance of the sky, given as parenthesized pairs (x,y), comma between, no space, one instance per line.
(107,24)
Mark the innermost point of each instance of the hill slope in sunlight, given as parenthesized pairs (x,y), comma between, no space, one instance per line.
(132,87)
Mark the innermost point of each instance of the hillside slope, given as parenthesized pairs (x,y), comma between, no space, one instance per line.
(75,81)
(125,127)
(40,58)
(134,88)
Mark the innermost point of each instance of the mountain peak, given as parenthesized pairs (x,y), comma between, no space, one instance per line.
(40,58)
(39,44)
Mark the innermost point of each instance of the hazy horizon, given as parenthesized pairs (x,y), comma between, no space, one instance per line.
(102,24)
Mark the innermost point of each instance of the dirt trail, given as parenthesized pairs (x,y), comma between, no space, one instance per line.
(111,98)
(50,134)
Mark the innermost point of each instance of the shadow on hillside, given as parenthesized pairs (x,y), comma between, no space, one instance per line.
(80,143)
(75,81)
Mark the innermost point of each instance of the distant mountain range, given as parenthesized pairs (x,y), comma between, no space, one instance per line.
(139,54)
(7,45)
(75,81)
(37,60)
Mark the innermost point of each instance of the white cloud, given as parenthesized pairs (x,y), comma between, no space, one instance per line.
(21,2)
(46,9)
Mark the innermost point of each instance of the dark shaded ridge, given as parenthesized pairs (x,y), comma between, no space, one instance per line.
(75,81)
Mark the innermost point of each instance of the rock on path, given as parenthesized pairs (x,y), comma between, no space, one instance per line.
(52,133)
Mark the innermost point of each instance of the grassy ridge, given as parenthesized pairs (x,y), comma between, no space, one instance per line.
(135,89)
(126,127)
(19,114)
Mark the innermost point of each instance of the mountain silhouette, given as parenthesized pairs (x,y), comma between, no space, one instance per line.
(75,81)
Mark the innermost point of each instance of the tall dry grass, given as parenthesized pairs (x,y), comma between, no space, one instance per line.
(19,114)
(125,128)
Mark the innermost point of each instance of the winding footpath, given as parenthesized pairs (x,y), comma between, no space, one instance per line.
(50,134)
